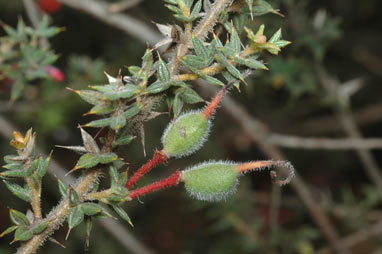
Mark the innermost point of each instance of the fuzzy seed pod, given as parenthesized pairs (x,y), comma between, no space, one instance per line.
(216,180)
(212,181)
(186,135)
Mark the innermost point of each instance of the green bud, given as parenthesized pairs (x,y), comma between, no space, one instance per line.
(186,134)
(212,181)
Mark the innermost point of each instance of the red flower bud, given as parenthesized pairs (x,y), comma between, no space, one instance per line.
(49,6)
(55,73)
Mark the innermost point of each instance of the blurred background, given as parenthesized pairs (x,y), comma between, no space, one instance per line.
(319,106)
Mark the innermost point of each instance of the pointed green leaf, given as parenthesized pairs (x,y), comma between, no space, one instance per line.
(18,191)
(132,110)
(158,87)
(122,214)
(117,122)
(230,68)
(99,123)
(91,97)
(250,62)
(75,217)
(106,158)
(190,96)
(163,72)
(200,49)
(89,143)
(18,218)
(87,161)
(178,103)
(62,188)
(23,234)
(40,227)
(9,230)
(91,209)
(74,198)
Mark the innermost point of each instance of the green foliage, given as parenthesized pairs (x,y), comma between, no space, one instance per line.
(23,57)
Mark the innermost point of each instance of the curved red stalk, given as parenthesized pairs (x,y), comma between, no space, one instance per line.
(158,158)
(260,165)
(214,103)
(172,180)
(241,168)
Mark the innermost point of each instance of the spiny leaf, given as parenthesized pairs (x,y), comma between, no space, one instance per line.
(106,158)
(123,214)
(40,227)
(87,161)
(18,218)
(62,188)
(163,72)
(18,191)
(89,143)
(91,209)
(158,87)
(117,122)
(199,47)
(23,234)
(75,217)
(74,198)
(9,230)
(99,123)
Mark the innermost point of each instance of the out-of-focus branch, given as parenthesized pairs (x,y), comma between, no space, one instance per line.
(129,25)
(344,114)
(324,143)
(363,116)
(123,5)
(364,241)
(115,229)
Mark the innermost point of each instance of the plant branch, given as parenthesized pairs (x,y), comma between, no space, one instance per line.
(99,10)
(115,229)
(123,5)
(58,215)
(35,198)
(323,143)
(344,114)
(34,16)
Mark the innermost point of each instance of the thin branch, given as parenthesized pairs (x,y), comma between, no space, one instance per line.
(99,10)
(324,143)
(366,115)
(360,240)
(115,229)
(123,5)
(344,114)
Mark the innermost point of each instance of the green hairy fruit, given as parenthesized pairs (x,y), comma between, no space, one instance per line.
(186,134)
(212,181)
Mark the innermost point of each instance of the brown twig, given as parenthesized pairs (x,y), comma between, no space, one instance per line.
(123,5)
(361,241)
(344,114)
(367,115)
(324,143)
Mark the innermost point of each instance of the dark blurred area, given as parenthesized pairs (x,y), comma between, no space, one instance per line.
(329,76)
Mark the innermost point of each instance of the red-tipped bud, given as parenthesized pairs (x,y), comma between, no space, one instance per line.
(55,73)
(49,6)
